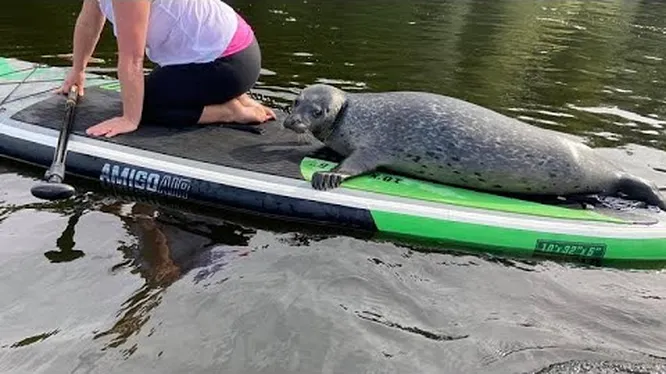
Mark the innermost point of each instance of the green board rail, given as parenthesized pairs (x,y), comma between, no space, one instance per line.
(543,241)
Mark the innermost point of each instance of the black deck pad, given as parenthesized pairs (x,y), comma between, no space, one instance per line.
(275,151)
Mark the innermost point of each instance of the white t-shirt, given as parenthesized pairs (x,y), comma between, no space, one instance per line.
(184,31)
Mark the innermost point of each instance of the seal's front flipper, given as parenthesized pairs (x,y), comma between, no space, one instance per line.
(359,162)
(640,189)
(326,180)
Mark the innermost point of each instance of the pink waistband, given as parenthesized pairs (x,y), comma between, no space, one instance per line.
(242,38)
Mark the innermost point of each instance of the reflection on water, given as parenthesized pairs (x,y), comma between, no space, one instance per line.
(162,255)
(104,284)
(65,242)
(163,246)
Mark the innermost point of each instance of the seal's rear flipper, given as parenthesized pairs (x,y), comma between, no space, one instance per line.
(640,189)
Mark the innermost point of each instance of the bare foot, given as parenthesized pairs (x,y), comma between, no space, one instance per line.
(234,111)
(247,101)
(246,115)
(269,112)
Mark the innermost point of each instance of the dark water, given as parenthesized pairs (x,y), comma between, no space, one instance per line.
(109,285)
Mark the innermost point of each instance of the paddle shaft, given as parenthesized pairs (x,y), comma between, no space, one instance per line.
(56,172)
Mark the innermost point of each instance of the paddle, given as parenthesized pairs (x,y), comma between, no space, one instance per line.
(52,188)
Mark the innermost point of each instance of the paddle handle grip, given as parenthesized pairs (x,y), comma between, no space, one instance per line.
(72,96)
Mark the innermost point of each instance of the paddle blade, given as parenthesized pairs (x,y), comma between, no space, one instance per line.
(52,191)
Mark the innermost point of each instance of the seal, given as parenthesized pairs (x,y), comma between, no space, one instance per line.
(454,142)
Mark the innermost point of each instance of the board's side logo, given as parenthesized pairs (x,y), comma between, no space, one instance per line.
(581,251)
(133,179)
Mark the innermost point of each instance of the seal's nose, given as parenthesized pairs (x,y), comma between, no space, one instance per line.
(289,121)
(294,122)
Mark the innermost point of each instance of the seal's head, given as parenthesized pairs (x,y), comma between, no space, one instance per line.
(316,110)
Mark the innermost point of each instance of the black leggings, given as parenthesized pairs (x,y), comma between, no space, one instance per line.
(175,95)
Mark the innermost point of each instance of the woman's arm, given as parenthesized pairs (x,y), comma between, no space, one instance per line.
(89,25)
(87,31)
(131,18)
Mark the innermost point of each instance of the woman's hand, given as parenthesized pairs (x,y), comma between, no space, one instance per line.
(75,77)
(112,127)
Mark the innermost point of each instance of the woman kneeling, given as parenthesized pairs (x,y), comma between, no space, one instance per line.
(207,55)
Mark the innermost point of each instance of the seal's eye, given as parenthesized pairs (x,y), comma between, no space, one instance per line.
(317,112)
(297,102)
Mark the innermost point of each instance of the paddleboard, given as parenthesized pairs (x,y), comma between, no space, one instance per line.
(269,172)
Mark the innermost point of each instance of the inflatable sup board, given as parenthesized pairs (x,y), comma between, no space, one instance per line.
(269,172)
